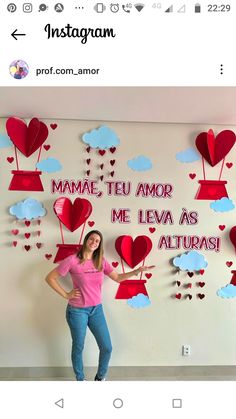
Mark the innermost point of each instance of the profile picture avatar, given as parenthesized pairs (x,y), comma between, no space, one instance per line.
(19,69)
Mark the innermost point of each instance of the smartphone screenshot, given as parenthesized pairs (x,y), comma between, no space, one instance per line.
(118,231)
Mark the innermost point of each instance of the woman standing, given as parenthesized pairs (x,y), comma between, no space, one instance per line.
(84,308)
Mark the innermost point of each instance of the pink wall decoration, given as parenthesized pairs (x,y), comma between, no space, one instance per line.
(214,149)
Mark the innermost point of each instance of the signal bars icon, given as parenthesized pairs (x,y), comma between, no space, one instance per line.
(139,6)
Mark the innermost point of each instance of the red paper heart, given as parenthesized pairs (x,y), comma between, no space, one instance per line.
(27,235)
(192,175)
(72,215)
(229,263)
(88,161)
(112,173)
(27,223)
(15,232)
(53,126)
(39,222)
(112,149)
(201,271)
(178,283)
(112,162)
(201,284)
(27,139)
(148,276)
(91,223)
(48,256)
(178,296)
(115,264)
(201,296)
(189,285)
(232,236)
(88,149)
(46,147)
(88,172)
(10,159)
(212,148)
(190,274)
(229,165)
(102,152)
(27,247)
(101,177)
(133,252)
(221,227)
(101,166)
(190,296)
(39,245)
(14,243)
(152,229)
(38,233)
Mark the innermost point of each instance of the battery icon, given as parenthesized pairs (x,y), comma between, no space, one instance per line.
(99,7)
(197,8)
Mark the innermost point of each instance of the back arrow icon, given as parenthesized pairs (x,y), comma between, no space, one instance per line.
(14,34)
(60,403)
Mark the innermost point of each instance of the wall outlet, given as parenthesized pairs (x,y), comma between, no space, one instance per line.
(186,350)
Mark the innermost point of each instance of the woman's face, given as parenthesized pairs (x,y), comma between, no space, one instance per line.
(93,242)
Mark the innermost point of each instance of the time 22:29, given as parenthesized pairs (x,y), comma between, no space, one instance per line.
(218,8)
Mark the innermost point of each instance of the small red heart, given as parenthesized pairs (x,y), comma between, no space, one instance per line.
(229,165)
(27,223)
(88,172)
(229,263)
(88,161)
(53,126)
(178,296)
(201,296)
(48,256)
(152,229)
(112,149)
(101,177)
(38,233)
(112,162)
(189,285)
(178,283)
(27,235)
(101,166)
(112,173)
(148,276)
(14,243)
(10,159)
(201,271)
(15,232)
(39,222)
(46,147)
(190,274)
(91,223)
(192,175)
(221,227)
(88,149)
(39,245)
(27,247)
(115,264)
(190,296)
(102,152)
(201,284)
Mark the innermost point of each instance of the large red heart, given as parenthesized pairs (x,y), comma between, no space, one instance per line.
(232,236)
(133,252)
(212,148)
(72,215)
(27,139)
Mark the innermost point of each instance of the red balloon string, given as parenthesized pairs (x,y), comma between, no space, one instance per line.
(82,232)
(141,272)
(222,167)
(62,237)
(203,168)
(40,150)
(17,164)
(122,265)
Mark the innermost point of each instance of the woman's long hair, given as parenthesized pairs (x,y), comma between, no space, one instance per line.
(97,254)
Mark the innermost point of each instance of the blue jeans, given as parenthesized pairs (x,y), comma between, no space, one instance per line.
(78,319)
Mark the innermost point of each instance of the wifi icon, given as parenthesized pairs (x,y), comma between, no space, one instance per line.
(139,6)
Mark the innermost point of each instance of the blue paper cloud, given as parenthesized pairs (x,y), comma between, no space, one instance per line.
(102,137)
(49,165)
(229,291)
(28,209)
(139,301)
(187,156)
(140,163)
(5,141)
(191,261)
(222,205)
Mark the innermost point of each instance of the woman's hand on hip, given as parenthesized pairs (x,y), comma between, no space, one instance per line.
(75,293)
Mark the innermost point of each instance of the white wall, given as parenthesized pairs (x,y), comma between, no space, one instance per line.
(32,325)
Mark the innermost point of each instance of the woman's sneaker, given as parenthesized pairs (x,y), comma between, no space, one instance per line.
(99,379)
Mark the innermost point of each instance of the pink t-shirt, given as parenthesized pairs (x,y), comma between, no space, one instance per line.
(85,277)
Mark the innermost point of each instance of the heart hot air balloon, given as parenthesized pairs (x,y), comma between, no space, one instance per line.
(133,251)
(72,215)
(214,149)
(232,236)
